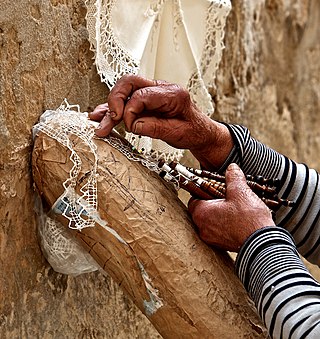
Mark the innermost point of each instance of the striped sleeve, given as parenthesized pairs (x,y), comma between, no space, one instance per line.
(297,183)
(286,296)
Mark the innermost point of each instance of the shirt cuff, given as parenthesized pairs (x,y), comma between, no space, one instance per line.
(255,244)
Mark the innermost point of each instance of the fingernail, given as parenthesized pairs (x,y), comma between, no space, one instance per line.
(232,166)
(113,114)
(137,129)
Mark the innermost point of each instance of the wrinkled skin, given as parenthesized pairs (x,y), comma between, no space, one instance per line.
(165,111)
(227,223)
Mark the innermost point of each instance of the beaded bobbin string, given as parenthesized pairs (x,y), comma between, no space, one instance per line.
(200,183)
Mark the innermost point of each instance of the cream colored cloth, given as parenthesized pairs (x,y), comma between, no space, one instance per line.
(179,41)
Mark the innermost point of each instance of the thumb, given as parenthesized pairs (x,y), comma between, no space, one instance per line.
(235,180)
(148,126)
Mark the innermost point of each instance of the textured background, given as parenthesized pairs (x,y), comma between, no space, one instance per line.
(268,80)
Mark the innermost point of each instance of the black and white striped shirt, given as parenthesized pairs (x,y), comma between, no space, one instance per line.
(287,297)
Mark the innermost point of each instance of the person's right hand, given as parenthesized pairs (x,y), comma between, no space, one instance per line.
(164,111)
(227,223)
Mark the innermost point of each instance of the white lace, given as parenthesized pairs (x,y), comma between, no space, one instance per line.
(63,253)
(70,128)
(79,209)
(131,36)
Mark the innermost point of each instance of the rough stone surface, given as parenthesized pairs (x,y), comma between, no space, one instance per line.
(269,77)
(45,57)
(268,80)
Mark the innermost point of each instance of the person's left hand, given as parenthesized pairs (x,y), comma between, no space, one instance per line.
(227,223)
(165,111)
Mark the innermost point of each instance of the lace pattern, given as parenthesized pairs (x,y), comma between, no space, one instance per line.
(112,60)
(80,210)
(70,128)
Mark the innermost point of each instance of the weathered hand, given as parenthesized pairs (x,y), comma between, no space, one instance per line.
(164,111)
(227,223)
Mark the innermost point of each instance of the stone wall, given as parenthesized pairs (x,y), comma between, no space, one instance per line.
(269,78)
(44,58)
(268,81)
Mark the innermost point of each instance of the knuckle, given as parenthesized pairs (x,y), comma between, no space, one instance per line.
(182,93)
(141,93)
(127,78)
(100,107)
(161,83)
(156,130)
(182,98)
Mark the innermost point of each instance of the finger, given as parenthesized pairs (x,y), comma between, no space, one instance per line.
(154,100)
(234,173)
(147,126)
(235,179)
(105,126)
(169,130)
(122,91)
(99,112)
